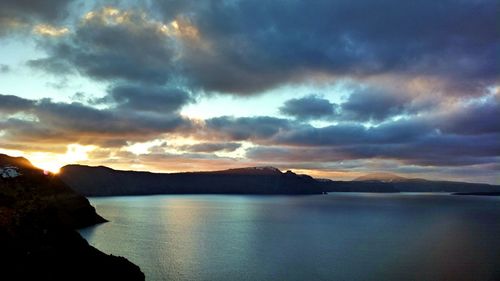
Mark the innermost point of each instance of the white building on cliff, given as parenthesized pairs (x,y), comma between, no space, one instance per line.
(9,172)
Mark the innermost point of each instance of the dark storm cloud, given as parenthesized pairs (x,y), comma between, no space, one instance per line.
(279,131)
(12,104)
(309,108)
(476,118)
(411,141)
(148,98)
(433,150)
(211,147)
(362,105)
(18,128)
(287,132)
(64,122)
(453,150)
(260,44)
(17,13)
(295,154)
(374,105)
(436,150)
(55,66)
(46,10)
(77,117)
(246,47)
(353,133)
(246,128)
(111,45)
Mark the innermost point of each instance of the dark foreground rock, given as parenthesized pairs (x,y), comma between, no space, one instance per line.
(38,215)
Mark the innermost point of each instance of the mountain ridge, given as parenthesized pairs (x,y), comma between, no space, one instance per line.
(391,177)
(105,181)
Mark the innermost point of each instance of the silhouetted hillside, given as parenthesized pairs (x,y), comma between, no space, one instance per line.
(356,186)
(38,214)
(419,185)
(103,181)
(403,184)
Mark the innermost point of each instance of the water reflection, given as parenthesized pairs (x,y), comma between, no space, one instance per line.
(334,237)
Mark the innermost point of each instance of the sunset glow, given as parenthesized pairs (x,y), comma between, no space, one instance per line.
(250,140)
(310,87)
(53,162)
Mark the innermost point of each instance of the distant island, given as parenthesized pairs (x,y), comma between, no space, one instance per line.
(104,181)
(494,193)
(38,215)
(387,182)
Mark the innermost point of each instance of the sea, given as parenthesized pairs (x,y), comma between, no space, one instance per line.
(339,236)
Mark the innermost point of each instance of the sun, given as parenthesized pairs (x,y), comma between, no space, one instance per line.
(53,168)
(46,161)
(53,162)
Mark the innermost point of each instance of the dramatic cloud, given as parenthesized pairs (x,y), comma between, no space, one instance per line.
(246,128)
(309,108)
(248,46)
(367,104)
(148,98)
(401,85)
(260,44)
(48,30)
(211,147)
(44,10)
(374,105)
(13,104)
(113,44)
(417,142)
(480,117)
(433,150)
(18,13)
(74,122)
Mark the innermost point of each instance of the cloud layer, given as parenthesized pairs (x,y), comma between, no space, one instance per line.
(416,85)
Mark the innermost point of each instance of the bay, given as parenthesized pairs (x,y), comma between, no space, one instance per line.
(341,236)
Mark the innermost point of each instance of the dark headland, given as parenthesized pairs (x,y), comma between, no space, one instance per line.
(104,181)
(38,241)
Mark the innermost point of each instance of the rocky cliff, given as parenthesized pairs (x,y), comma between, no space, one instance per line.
(38,215)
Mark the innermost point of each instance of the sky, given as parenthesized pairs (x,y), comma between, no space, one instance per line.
(332,88)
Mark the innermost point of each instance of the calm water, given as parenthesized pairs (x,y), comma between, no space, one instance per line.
(324,237)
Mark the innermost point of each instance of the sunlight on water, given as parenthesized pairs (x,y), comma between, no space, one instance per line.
(334,237)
